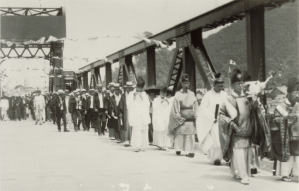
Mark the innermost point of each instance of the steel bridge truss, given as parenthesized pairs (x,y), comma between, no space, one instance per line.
(9,11)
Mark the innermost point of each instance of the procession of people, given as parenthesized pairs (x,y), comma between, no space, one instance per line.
(229,127)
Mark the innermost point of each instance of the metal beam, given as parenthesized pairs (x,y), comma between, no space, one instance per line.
(108,72)
(98,63)
(85,81)
(255,36)
(189,67)
(151,66)
(216,17)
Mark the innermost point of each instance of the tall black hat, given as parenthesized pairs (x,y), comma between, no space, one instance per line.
(140,82)
(185,78)
(236,76)
(218,79)
(246,77)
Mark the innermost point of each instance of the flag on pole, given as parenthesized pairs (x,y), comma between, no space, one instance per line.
(232,62)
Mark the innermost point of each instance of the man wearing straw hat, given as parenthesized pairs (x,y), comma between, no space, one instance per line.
(60,105)
(100,110)
(126,126)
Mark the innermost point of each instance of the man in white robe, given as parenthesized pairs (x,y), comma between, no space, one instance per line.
(139,118)
(207,122)
(161,112)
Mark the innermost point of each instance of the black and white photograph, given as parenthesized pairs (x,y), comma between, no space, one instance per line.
(149,95)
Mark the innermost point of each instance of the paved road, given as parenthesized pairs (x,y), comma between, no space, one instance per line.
(37,158)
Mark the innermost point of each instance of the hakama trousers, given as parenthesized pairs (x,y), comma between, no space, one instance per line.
(184,143)
(161,139)
(139,137)
(290,167)
(215,153)
(240,163)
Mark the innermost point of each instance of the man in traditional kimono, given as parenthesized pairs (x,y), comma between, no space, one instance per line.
(126,126)
(207,121)
(39,106)
(139,118)
(285,133)
(235,130)
(182,119)
(161,112)
(101,110)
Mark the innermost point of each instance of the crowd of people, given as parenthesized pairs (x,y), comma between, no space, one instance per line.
(235,128)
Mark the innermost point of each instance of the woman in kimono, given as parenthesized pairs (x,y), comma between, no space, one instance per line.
(235,130)
(161,110)
(182,119)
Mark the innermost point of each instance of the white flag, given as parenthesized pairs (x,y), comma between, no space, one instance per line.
(232,62)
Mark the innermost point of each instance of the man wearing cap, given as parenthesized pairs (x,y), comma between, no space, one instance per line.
(284,133)
(207,121)
(60,105)
(48,110)
(53,107)
(74,108)
(68,114)
(118,113)
(235,130)
(90,108)
(182,119)
(39,106)
(100,110)
(126,126)
(139,118)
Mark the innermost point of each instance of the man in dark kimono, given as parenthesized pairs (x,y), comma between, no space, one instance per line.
(236,127)
(285,133)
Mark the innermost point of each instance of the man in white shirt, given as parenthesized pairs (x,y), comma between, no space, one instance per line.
(4,105)
(68,114)
(39,105)
(127,128)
